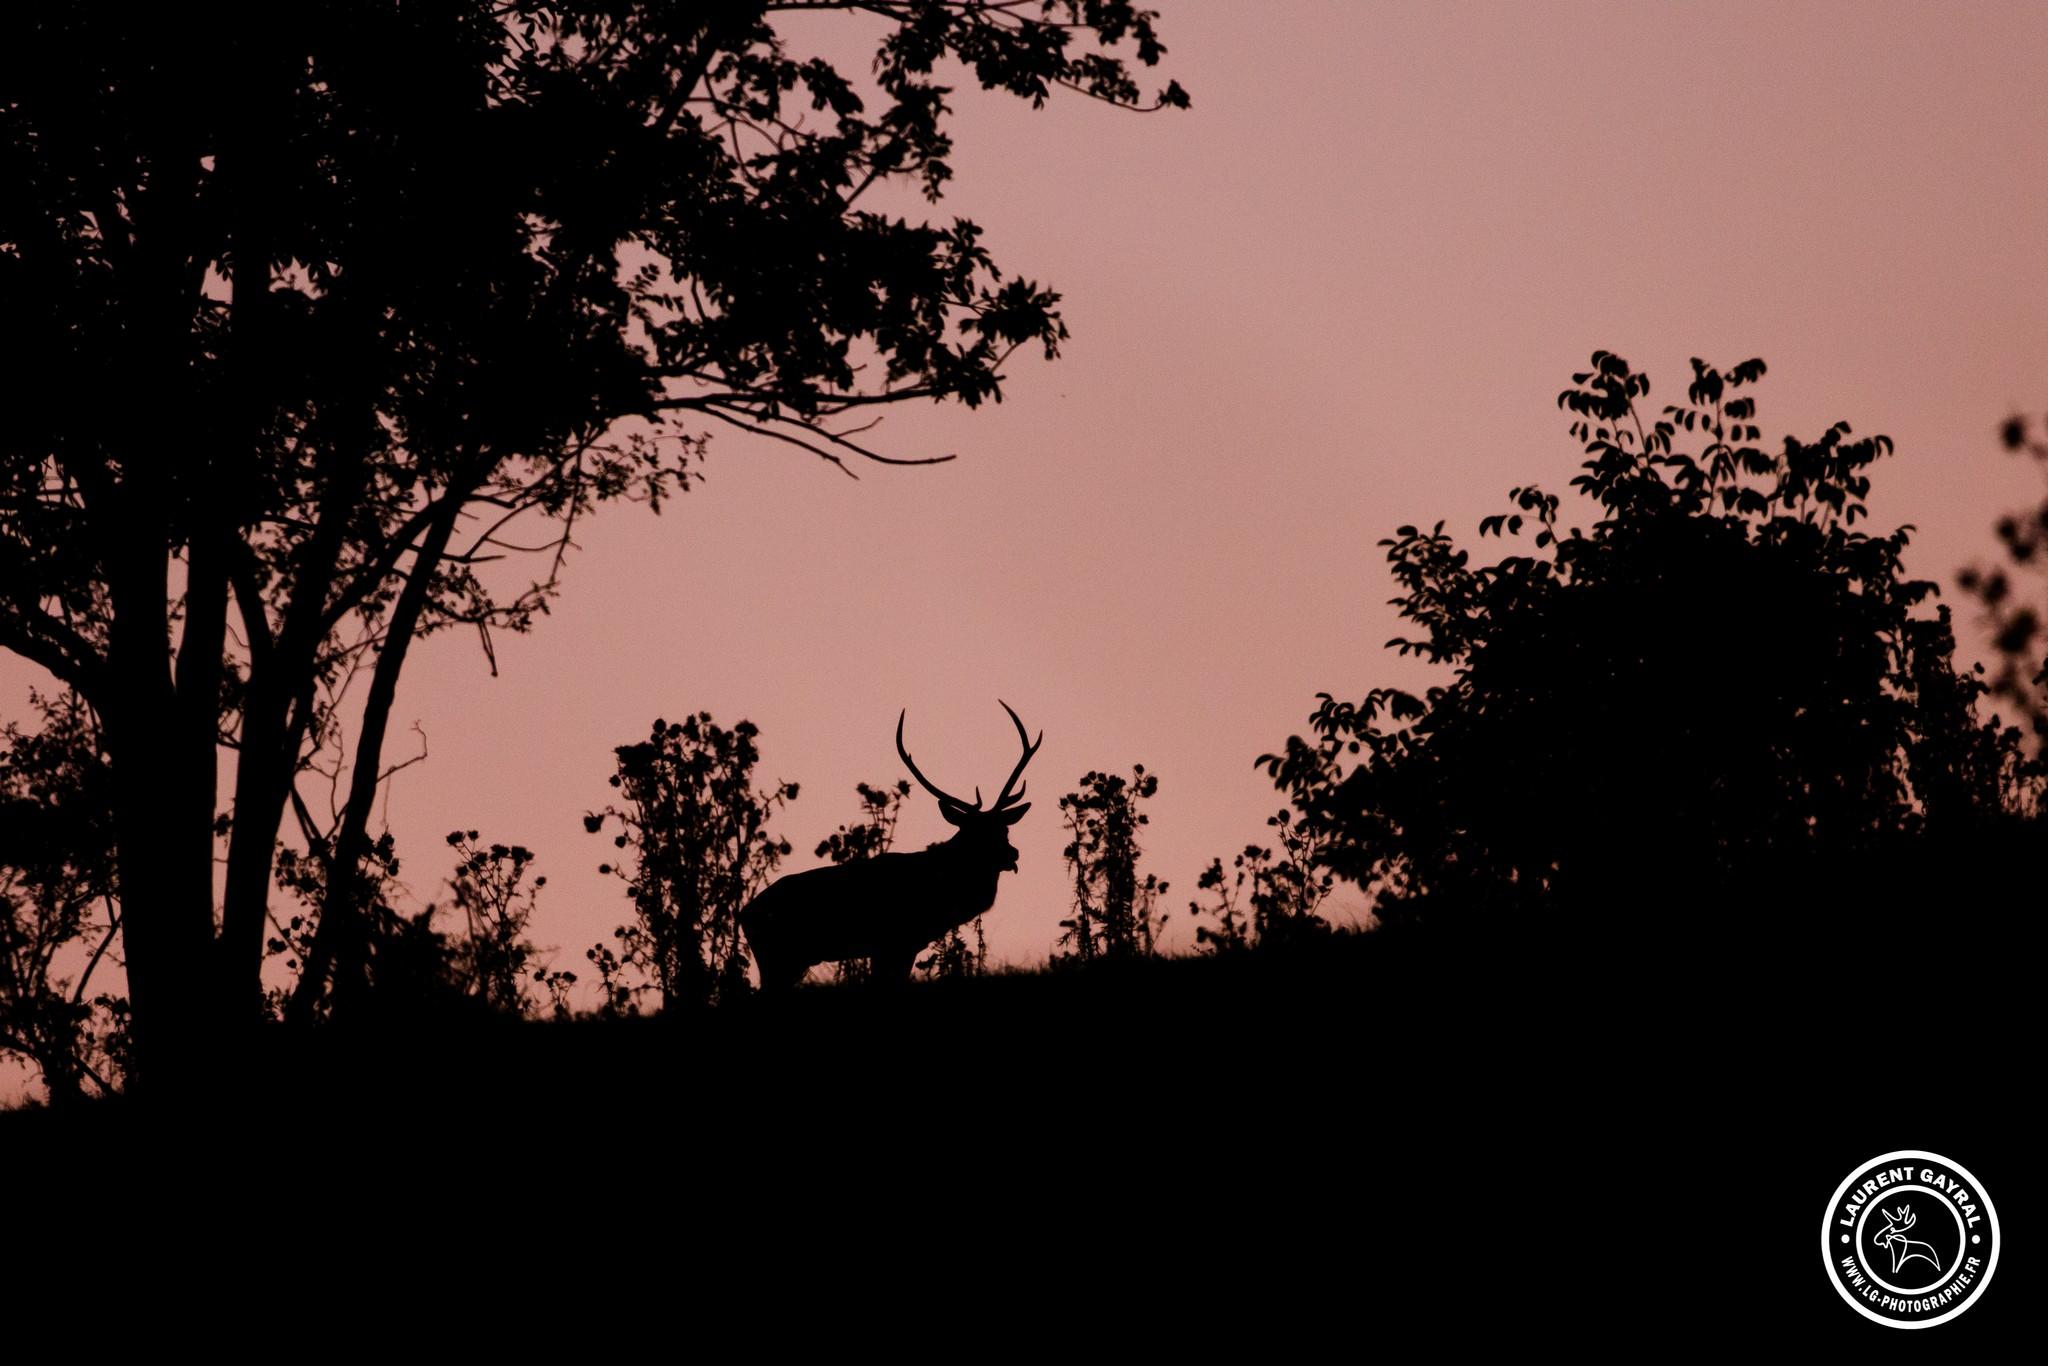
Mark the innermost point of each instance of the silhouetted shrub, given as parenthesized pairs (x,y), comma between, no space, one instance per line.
(398,962)
(1113,915)
(1264,899)
(698,848)
(874,832)
(953,956)
(482,964)
(492,960)
(1722,675)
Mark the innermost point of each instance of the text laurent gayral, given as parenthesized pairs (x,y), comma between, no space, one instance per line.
(1892,1176)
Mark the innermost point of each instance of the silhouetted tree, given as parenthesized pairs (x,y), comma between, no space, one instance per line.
(1113,915)
(57,903)
(1722,675)
(2015,613)
(697,834)
(304,313)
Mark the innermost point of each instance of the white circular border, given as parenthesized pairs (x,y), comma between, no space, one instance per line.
(1827,1224)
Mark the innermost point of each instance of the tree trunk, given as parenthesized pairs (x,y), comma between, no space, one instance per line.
(263,775)
(272,730)
(166,881)
(341,940)
(163,812)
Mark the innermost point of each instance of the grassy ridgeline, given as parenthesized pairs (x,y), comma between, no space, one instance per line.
(1478,1135)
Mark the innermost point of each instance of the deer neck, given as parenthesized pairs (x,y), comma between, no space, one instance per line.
(972,871)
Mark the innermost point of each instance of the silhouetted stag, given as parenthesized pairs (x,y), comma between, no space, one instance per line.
(888,908)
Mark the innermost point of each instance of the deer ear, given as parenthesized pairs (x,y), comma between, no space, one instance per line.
(954,815)
(1015,814)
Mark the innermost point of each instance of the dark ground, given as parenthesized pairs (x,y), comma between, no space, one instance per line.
(1536,1139)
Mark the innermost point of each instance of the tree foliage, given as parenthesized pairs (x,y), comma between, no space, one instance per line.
(1724,673)
(58,899)
(313,320)
(2014,597)
(695,831)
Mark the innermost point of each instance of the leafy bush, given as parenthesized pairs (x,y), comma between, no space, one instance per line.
(1264,900)
(1113,907)
(1723,674)
(696,832)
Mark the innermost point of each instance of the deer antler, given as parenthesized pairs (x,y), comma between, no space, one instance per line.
(946,799)
(1004,799)
(1007,797)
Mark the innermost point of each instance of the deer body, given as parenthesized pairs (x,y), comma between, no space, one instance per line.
(889,907)
(886,909)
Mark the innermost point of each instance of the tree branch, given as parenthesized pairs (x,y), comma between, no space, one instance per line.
(241,569)
(759,428)
(113,928)
(57,648)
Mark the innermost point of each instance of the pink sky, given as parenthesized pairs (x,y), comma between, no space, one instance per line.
(1340,294)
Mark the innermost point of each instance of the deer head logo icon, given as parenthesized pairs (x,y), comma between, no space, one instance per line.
(1893,1237)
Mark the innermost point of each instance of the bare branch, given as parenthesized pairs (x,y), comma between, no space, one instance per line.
(780,436)
(759,427)
(113,927)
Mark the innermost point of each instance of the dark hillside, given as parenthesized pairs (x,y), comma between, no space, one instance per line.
(1385,1124)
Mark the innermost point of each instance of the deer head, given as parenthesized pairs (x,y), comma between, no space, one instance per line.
(1895,1225)
(1892,1237)
(982,831)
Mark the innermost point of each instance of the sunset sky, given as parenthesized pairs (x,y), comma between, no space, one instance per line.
(1339,294)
